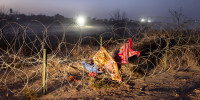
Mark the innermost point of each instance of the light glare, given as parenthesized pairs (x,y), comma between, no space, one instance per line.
(149,21)
(142,20)
(81,21)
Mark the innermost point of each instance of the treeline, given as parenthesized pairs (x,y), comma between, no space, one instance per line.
(15,16)
(21,18)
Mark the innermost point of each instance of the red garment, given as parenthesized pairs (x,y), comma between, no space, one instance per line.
(72,78)
(126,51)
(93,74)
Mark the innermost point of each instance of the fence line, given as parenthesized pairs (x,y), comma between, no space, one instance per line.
(21,50)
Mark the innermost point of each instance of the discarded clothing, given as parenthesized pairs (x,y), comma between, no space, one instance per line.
(93,74)
(104,61)
(126,52)
(112,67)
(101,58)
(91,68)
(73,79)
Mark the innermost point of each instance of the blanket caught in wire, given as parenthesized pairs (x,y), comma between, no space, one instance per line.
(126,51)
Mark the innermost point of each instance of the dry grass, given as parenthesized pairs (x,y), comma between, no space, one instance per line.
(30,94)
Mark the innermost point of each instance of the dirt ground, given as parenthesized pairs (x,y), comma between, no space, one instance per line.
(182,84)
(171,85)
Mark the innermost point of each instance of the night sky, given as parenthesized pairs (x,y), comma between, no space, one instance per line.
(103,8)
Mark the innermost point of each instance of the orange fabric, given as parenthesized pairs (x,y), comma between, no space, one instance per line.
(104,61)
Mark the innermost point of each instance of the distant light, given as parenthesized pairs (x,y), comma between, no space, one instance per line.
(149,21)
(81,21)
(17,18)
(143,20)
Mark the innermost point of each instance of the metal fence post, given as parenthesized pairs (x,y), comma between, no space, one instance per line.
(44,73)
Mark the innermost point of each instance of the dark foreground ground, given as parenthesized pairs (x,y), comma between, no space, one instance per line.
(182,84)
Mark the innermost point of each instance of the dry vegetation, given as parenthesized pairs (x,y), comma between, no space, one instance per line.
(168,65)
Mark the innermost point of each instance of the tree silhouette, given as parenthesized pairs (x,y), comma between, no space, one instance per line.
(117,15)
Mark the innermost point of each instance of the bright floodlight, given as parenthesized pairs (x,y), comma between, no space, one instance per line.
(142,20)
(80,21)
(149,21)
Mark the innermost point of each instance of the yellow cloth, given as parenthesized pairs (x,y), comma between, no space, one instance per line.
(102,58)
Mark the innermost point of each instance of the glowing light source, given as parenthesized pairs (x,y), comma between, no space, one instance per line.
(81,21)
(149,21)
(143,20)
